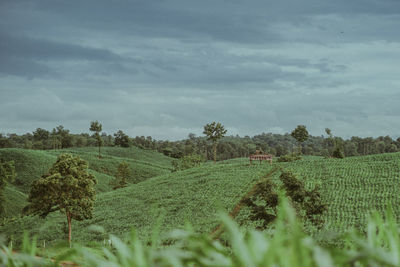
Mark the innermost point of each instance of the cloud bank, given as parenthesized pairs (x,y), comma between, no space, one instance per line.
(166,68)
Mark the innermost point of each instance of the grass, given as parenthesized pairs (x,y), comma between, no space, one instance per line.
(353,188)
(32,164)
(15,201)
(29,165)
(190,196)
(287,246)
(141,169)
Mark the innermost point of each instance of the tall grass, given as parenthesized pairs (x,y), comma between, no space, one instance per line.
(285,245)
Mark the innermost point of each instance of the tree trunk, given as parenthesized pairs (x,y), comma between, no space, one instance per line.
(99,151)
(215,152)
(69,228)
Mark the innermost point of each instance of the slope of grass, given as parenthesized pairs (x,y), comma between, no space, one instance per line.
(134,153)
(15,200)
(352,189)
(141,169)
(29,165)
(32,164)
(193,195)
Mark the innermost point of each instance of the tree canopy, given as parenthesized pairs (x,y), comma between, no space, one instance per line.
(300,134)
(214,131)
(67,187)
(121,139)
(122,175)
(96,127)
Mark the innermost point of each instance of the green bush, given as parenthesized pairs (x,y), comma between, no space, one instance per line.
(338,153)
(187,162)
(289,157)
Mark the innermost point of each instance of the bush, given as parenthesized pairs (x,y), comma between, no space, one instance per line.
(338,153)
(289,157)
(187,162)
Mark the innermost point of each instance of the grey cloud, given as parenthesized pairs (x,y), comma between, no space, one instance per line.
(236,21)
(28,57)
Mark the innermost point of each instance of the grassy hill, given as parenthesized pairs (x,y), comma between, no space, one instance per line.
(31,164)
(352,188)
(193,196)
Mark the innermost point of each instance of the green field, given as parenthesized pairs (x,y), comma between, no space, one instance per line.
(32,164)
(352,188)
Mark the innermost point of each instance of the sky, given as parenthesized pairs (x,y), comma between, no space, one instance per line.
(165,68)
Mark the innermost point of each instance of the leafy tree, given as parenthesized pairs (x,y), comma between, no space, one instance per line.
(63,137)
(122,175)
(7,173)
(121,139)
(328,132)
(337,145)
(338,153)
(187,162)
(41,134)
(214,132)
(96,127)
(55,139)
(300,134)
(67,187)
(350,148)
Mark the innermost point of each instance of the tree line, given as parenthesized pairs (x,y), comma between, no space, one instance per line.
(231,146)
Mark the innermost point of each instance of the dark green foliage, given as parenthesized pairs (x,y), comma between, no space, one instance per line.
(214,131)
(187,162)
(63,139)
(337,145)
(121,139)
(300,133)
(289,157)
(338,153)
(308,200)
(228,147)
(67,187)
(263,203)
(122,175)
(328,132)
(7,174)
(96,127)
(264,200)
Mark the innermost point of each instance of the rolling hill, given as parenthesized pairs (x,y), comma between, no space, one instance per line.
(31,164)
(351,187)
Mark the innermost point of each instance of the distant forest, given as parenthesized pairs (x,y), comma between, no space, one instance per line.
(228,147)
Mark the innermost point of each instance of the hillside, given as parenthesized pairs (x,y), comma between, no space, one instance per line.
(31,164)
(352,188)
(193,195)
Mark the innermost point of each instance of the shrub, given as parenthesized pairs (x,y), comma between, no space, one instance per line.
(187,162)
(338,153)
(289,157)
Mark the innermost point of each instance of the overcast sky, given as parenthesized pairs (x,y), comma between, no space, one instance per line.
(165,68)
